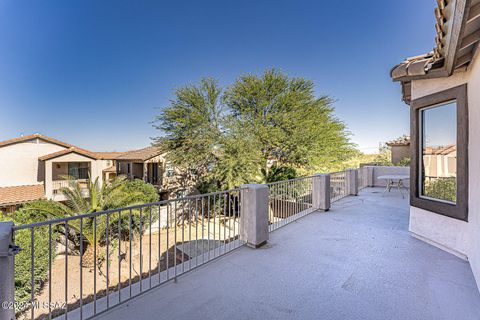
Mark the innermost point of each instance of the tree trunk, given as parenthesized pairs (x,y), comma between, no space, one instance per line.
(88,257)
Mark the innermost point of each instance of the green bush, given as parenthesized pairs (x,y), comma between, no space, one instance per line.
(138,192)
(125,222)
(442,188)
(279,173)
(23,261)
(405,162)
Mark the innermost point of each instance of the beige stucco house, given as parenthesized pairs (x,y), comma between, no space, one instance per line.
(150,164)
(146,164)
(36,166)
(399,149)
(443,91)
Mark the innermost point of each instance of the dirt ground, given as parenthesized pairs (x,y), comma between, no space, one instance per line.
(150,243)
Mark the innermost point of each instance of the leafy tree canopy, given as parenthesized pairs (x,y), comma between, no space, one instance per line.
(233,136)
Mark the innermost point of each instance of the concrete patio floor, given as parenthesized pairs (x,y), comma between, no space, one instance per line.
(356,261)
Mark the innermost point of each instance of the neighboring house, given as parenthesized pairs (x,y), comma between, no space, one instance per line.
(36,166)
(145,164)
(440,162)
(443,91)
(150,165)
(400,149)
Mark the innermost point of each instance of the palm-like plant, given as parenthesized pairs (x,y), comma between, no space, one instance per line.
(79,200)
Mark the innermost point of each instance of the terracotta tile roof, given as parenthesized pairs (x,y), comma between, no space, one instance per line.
(457,38)
(443,150)
(20,194)
(422,64)
(415,66)
(141,154)
(70,148)
(67,151)
(35,136)
(403,141)
(108,155)
(110,169)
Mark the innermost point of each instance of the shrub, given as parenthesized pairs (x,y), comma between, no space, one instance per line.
(442,188)
(405,162)
(23,261)
(140,192)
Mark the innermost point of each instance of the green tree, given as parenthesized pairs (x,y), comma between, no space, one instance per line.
(277,173)
(119,193)
(239,160)
(116,194)
(192,128)
(292,126)
(232,137)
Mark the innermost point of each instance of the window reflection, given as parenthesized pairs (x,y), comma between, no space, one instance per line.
(439,152)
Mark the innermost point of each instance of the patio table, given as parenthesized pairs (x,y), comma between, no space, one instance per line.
(394,180)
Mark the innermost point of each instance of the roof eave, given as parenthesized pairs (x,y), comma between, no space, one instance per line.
(443,61)
(47,157)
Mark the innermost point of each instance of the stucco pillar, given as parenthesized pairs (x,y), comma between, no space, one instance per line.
(370,182)
(145,172)
(254,215)
(321,192)
(352,181)
(48,180)
(7,271)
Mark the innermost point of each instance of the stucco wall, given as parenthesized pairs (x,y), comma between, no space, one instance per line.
(449,233)
(474,168)
(399,153)
(19,162)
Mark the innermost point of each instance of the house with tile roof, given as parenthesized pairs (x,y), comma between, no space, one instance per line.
(442,91)
(399,149)
(37,166)
(151,165)
(145,164)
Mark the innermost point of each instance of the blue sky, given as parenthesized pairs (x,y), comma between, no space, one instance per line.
(440,126)
(94,73)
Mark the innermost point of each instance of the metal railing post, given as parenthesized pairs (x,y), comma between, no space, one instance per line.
(254,215)
(7,279)
(352,182)
(321,192)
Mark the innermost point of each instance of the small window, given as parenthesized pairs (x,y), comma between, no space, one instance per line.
(440,139)
(129,168)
